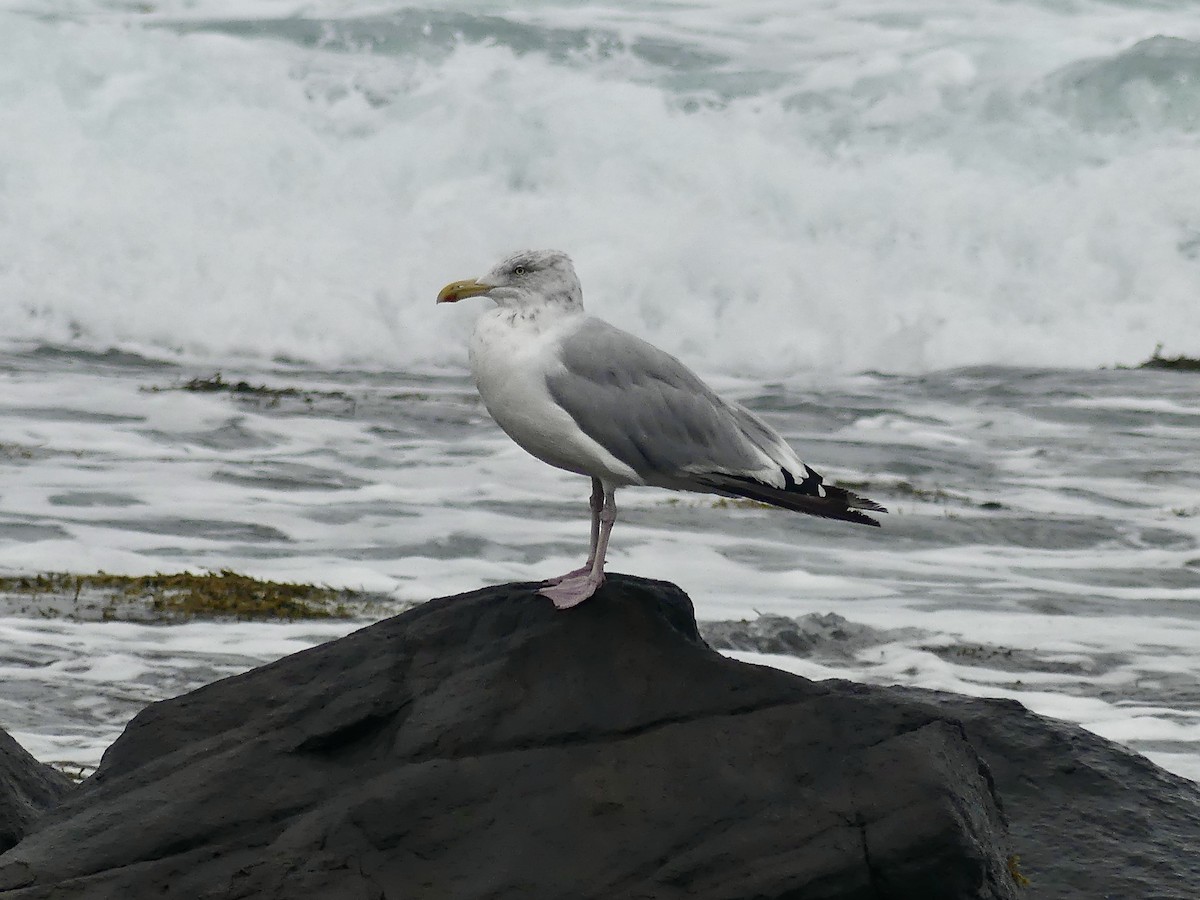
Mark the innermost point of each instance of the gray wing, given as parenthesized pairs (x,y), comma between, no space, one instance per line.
(651,412)
(655,415)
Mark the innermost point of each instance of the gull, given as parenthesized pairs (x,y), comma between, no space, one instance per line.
(584,396)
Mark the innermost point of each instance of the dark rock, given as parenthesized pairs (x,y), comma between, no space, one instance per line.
(815,636)
(1088,818)
(27,789)
(488,746)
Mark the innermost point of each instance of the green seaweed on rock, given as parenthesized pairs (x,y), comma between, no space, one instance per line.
(186,595)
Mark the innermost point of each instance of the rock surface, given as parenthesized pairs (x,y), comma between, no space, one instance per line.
(27,789)
(1089,819)
(488,746)
(816,635)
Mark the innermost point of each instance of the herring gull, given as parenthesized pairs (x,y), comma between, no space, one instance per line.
(584,396)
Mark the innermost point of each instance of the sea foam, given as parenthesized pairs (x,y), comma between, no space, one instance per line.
(758,191)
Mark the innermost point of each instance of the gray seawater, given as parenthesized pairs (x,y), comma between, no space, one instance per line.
(1043,541)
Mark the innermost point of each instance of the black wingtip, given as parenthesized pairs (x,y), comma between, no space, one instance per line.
(853,500)
(864,519)
(849,514)
(833,503)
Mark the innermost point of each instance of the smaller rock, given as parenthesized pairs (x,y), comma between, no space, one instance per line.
(816,635)
(27,789)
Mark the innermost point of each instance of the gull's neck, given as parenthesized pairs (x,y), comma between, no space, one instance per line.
(538,312)
(528,302)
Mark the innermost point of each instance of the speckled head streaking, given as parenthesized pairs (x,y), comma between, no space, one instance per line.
(523,280)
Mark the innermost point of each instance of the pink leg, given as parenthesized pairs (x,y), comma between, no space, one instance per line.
(596,504)
(573,589)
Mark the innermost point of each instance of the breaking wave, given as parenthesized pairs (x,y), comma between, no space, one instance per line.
(760,192)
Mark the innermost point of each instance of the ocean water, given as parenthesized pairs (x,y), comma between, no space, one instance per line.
(909,234)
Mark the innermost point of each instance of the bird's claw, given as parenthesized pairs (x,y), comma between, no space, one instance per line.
(572,589)
(574,573)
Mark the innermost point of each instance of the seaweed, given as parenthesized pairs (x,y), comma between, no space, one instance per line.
(258,394)
(916,492)
(1014,869)
(15,451)
(185,595)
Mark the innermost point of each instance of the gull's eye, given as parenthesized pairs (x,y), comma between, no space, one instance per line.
(519,270)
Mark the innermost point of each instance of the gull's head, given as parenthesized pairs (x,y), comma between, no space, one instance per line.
(529,279)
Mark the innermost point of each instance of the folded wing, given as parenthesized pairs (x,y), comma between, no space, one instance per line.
(655,415)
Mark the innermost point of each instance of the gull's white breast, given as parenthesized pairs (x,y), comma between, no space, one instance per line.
(511,354)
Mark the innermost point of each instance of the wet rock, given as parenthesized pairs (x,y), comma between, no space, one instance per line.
(27,789)
(488,746)
(1088,818)
(816,635)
